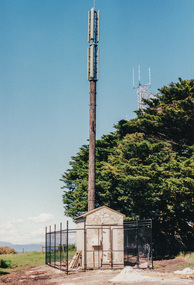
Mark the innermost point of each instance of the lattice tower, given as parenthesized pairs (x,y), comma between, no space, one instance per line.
(142,90)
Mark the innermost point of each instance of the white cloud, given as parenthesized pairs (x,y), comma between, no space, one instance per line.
(8,229)
(22,232)
(31,229)
(38,235)
(12,224)
(11,230)
(35,235)
(42,218)
(18,221)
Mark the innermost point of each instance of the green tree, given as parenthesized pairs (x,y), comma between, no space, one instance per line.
(145,168)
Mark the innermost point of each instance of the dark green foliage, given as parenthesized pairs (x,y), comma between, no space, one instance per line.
(145,168)
(5,263)
(71,247)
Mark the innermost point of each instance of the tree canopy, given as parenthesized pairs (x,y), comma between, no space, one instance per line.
(145,168)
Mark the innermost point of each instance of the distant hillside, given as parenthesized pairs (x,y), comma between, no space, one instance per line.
(23,247)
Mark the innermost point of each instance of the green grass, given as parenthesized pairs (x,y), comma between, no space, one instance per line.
(21,261)
(28,259)
(56,255)
(189,258)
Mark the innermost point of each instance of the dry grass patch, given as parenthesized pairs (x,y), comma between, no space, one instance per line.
(189,259)
(6,250)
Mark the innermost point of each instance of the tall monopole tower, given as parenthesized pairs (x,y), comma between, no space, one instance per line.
(92,76)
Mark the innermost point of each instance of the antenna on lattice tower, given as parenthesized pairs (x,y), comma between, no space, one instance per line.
(142,90)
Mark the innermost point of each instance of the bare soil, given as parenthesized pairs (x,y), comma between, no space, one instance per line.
(163,273)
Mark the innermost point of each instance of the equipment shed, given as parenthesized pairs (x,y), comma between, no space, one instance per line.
(100,238)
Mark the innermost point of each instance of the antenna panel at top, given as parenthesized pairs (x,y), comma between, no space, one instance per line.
(98,28)
(93,26)
(91,22)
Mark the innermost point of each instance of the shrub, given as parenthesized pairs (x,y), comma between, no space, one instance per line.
(5,263)
(6,250)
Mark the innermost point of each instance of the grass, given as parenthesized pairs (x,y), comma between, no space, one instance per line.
(56,255)
(32,259)
(21,261)
(189,258)
(28,259)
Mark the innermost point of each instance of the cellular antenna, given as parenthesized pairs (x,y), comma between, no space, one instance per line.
(149,77)
(92,76)
(142,90)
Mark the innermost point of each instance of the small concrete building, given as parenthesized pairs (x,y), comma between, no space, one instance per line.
(100,238)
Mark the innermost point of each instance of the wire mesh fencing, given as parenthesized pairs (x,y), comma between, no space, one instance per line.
(138,243)
(100,246)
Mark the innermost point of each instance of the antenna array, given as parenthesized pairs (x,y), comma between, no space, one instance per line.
(142,90)
(93,39)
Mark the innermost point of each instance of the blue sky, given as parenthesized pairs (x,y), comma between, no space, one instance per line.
(44,92)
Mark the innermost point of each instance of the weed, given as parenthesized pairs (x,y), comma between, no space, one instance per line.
(5,263)
(22,260)
(189,258)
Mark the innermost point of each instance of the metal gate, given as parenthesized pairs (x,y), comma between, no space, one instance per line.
(138,243)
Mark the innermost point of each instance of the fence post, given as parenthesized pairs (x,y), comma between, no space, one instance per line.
(85,254)
(137,243)
(67,246)
(55,245)
(111,246)
(151,244)
(46,245)
(50,245)
(61,245)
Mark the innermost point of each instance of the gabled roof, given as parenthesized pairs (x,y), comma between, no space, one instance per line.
(97,209)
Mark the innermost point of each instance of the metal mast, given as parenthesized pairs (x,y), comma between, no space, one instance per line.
(93,62)
(142,90)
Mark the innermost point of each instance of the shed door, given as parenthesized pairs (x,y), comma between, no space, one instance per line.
(106,245)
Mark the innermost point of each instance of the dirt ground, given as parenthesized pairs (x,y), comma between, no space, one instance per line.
(161,275)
